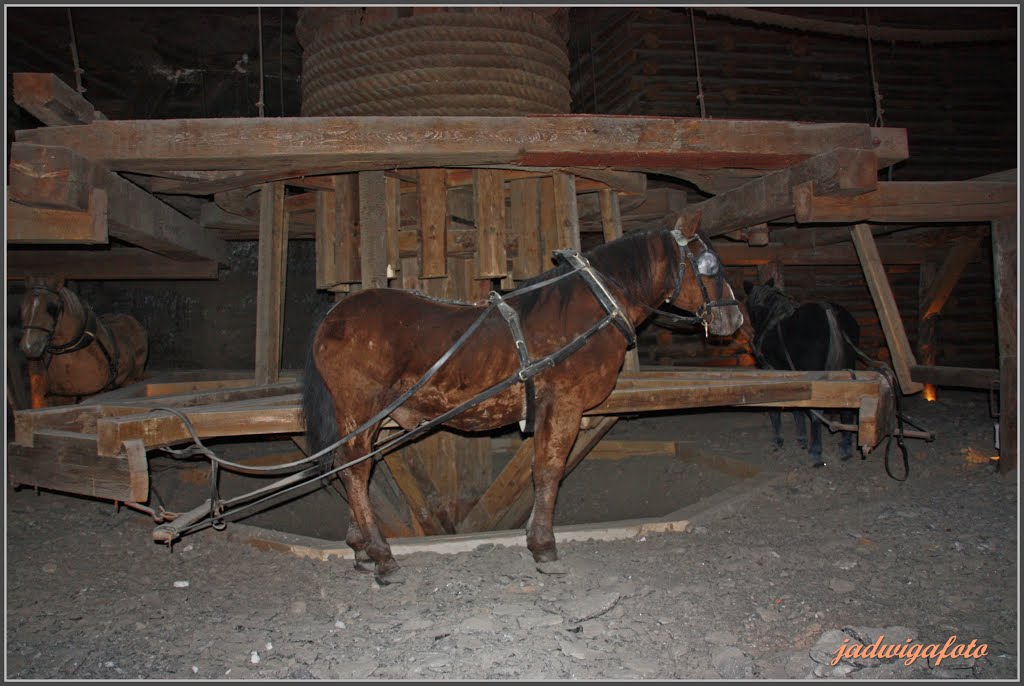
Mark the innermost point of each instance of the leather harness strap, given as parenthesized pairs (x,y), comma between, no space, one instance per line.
(514,325)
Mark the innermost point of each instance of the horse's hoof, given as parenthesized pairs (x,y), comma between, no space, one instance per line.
(819,464)
(802,444)
(362,562)
(552,567)
(395,576)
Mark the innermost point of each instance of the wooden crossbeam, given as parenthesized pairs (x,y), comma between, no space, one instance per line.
(888,312)
(734,254)
(45,225)
(68,462)
(50,176)
(107,264)
(52,101)
(967,377)
(961,253)
(362,143)
(910,201)
(843,171)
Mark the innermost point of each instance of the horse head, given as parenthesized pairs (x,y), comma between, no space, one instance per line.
(708,293)
(41,309)
(763,301)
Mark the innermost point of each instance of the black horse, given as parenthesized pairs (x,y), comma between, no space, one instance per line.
(807,336)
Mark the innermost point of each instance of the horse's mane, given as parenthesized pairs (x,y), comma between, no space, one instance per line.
(769,304)
(627,262)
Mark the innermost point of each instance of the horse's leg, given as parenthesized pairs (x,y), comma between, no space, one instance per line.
(556,432)
(800,422)
(369,543)
(815,443)
(775,417)
(847,416)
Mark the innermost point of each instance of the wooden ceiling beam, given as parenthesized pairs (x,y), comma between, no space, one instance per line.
(843,171)
(910,201)
(365,143)
(739,254)
(52,101)
(104,264)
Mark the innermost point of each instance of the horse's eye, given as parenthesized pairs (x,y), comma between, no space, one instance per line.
(52,309)
(708,264)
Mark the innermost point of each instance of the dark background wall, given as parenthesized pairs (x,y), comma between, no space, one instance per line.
(957,101)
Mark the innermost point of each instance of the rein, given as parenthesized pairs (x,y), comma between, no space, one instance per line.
(83,338)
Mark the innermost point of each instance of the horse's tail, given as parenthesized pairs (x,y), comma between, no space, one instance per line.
(318,410)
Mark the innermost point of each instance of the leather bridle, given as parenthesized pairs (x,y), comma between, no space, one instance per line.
(701,267)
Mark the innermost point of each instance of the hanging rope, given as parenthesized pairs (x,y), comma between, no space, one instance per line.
(259,15)
(74,55)
(696,62)
(879,111)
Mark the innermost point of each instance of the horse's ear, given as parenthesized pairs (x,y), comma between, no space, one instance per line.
(748,286)
(689,222)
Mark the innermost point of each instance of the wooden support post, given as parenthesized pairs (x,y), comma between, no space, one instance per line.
(346,228)
(270,283)
(927,349)
(567,221)
(433,206)
(393,221)
(489,202)
(771,271)
(611,224)
(1004,268)
(888,313)
(548,223)
(325,241)
(373,248)
(524,224)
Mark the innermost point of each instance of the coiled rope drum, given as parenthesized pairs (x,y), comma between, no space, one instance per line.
(448,62)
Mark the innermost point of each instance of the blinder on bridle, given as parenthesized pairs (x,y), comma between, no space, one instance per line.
(81,339)
(706,264)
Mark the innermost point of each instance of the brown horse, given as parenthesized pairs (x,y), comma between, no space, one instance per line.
(373,346)
(83,354)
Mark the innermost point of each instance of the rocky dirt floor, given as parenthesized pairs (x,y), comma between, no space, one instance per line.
(767,587)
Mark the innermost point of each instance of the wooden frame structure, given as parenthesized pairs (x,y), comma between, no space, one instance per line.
(378,194)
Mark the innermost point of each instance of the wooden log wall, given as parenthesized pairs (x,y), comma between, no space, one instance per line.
(958,101)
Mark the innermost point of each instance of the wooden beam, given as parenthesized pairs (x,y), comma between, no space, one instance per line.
(567,221)
(270,283)
(109,264)
(1004,274)
(346,232)
(433,206)
(373,247)
(888,312)
(524,225)
(734,254)
(843,171)
(910,201)
(624,143)
(68,462)
(52,101)
(961,253)
(54,177)
(393,222)
(324,241)
(141,219)
(489,202)
(42,225)
(965,377)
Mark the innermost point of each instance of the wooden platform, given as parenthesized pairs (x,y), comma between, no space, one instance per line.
(100,448)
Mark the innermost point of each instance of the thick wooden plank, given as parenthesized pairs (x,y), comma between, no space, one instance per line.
(738,254)
(67,462)
(433,207)
(46,176)
(392,222)
(843,171)
(489,202)
(347,237)
(1004,274)
(105,265)
(910,201)
(524,225)
(360,143)
(270,283)
(672,397)
(373,248)
(141,219)
(325,241)
(43,225)
(567,220)
(52,101)
(888,312)
(965,377)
